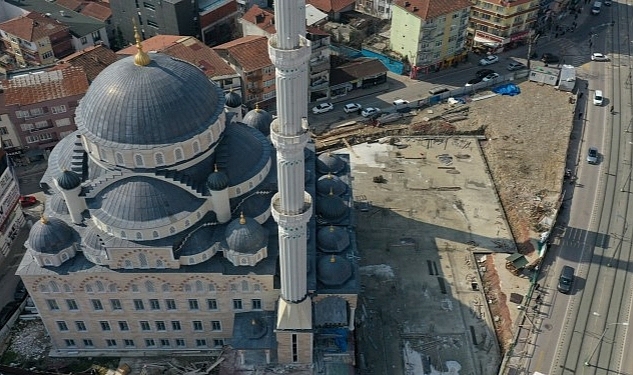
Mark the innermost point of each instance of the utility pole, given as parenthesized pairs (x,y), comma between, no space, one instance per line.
(532,38)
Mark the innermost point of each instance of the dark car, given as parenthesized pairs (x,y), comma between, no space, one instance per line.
(549,58)
(20,292)
(27,200)
(566,279)
(473,81)
(484,72)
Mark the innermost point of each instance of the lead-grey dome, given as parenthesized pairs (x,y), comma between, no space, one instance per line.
(165,102)
(329,163)
(331,207)
(246,236)
(334,270)
(232,99)
(68,180)
(259,119)
(50,236)
(217,181)
(332,239)
(331,184)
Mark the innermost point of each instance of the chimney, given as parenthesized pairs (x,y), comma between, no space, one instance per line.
(406,4)
(415,9)
(259,18)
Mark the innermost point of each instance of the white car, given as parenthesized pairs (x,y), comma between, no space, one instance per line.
(399,102)
(352,107)
(322,108)
(598,98)
(490,76)
(596,56)
(592,155)
(369,111)
(488,60)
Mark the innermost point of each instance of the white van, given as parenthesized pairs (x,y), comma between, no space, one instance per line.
(595,8)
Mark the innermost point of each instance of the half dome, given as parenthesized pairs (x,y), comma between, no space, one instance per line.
(332,239)
(232,99)
(331,207)
(164,102)
(330,184)
(334,270)
(246,236)
(259,119)
(50,236)
(329,163)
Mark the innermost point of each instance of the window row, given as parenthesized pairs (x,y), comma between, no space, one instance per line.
(152,304)
(148,343)
(149,286)
(143,325)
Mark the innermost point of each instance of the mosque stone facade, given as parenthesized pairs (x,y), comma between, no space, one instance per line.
(157,236)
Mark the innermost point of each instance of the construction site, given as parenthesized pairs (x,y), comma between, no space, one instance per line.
(444,194)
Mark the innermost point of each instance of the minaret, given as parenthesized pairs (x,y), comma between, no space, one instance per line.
(292,206)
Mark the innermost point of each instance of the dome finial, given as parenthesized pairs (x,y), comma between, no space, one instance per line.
(257,107)
(331,228)
(329,175)
(141,58)
(215,167)
(253,322)
(332,259)
(43,219)
(331,191)
(242,218)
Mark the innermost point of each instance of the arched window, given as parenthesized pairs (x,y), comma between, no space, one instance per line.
(166,288)
(187,287)
(123,235)
(155,234)
(139,235)
(64,257)
(233,287)
(159,264)
(142,259)
(196,147)
(127,264)
(134,288)
(257,288)
(54,287)
(238,191)
(103,155)
(250,184)
(244,286)
(211,287)
(47,261)
(100,287)
(119,158)
(199,287)
(187,223)
(178,154)
(112,288)
(138,160)
(43,288)
(67,288)
(88,288)
(159,158)
(172,230)
(210,137)
(149,285)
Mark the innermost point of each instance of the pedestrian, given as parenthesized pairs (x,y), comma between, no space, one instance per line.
(580,95)
(537,286)
(580,116)
(612,109)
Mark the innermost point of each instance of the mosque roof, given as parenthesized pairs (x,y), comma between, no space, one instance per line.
(51,235)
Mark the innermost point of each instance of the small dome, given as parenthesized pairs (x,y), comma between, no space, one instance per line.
(257,329)
(331,184)
(332,239)
(217,180)
(331,207)
(330,163)
(68,180)
(56,205)
(259,119)
(50,236)
(245,235)
(232,99)
(333,270)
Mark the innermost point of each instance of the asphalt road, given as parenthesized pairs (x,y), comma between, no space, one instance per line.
(587,332)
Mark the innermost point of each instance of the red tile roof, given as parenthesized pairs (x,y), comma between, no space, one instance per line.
(262,18)
(249,52)
(97,11)
(69,4)
(355,69)
(40,87)
(186,48)
(92,59)
(507,3)
(432,8)
(219,14)
(32,27)
(329,6)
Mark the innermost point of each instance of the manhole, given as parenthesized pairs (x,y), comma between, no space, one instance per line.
(547,327)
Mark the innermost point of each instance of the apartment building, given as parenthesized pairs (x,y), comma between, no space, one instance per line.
(377,8)
(11,215)
(499,24)
(429,34)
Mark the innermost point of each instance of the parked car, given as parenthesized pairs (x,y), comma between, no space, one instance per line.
(516,66)
(490,77)
(473,81)
(27,200)
(370,111)
(549,58)
(592,155)
(20,292)
(399,102)
(597,56)
(488,60)
(352,107)
(598,98)
(566,279)
(322,108)
(484,72)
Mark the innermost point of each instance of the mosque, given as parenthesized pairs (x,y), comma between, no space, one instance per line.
(173,225)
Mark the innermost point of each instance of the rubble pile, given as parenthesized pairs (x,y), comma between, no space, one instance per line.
(29,341)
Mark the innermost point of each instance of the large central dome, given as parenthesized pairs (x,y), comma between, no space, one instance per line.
(166,101)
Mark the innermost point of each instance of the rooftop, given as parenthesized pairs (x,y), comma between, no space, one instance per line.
(32,27)
(42,86)
(250,52)
(331,5)
(92,59)
(97,10)
(432,8)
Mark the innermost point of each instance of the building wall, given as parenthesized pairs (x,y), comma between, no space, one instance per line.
(10,138)
(406,33)
(100,36)
(11,216)
(293,347)
(502,23)
(377,8)
(92,294)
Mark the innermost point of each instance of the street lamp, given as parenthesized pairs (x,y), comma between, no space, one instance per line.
(601,337)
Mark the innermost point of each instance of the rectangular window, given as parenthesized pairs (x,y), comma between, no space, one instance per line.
(58,109)
(154,304)
(160,325)
(116,304)
(52,304)
(7,143)
(180,343)
(218,342)
(150,343)
(81,326)
(145,325)
(123,326)
(3,130)
(26,127)
(171,304)
(70,343)
(152,23)
(84,40)
(22,114)
(237,304)
(164,343)
(212,304)
(149,6)
(197,325)
(41,124)
(295,348)
(138,304)
(72,305)
(88,343)
(62,326)
(256,304)
(175,325)
(111,343)
(96,304)
(128,343)
(216,325)
(193,304)
(36,111)
(105,325)
(200,343)
(62,122)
